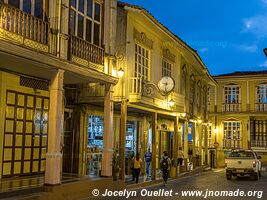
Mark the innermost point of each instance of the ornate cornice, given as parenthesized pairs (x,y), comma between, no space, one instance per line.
(168,55)
(143,39)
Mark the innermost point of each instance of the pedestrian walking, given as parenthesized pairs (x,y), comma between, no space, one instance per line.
(165,164)
(180,156)
(148,157)
(137,163)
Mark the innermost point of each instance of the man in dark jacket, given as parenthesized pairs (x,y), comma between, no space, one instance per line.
(165,164)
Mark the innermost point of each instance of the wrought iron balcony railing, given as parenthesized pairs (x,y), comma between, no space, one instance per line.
(261,107)
(231,107)
(86,50)
(23,24)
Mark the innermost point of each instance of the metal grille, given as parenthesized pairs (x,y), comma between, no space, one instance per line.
(34,83)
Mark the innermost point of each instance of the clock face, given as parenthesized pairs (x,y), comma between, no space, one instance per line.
(166,84)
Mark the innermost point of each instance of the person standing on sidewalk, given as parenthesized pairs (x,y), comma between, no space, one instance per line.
(148,157)
(137,163)
(180,156)
(165,164)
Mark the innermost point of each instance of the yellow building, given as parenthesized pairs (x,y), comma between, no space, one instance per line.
(238,114)
(46,50)
(148,52)
(65,106)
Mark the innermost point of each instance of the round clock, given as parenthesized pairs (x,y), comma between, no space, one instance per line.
(166,84)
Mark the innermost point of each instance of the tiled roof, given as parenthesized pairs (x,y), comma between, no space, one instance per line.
(243,73)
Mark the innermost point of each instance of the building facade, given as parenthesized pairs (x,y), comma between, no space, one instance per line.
(65,109)
(147,51)
(47,50)
(238,114)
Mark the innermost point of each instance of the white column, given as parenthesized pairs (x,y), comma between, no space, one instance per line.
(108,143)
(54,156)
(185,142)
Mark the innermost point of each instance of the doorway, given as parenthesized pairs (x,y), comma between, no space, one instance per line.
(25,135)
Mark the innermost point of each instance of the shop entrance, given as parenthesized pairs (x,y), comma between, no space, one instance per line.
(25,136)
(69,142)
(165,143)
(95,144)
(130,144)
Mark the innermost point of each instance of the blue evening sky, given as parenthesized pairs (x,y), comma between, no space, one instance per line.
(229,35)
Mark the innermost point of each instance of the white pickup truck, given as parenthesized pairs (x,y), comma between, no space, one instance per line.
(243,162)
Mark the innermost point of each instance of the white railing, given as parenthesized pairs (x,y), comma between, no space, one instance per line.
(261,107)
(136,85)
(231,107)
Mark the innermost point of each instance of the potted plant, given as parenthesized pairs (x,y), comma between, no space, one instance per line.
(115,165)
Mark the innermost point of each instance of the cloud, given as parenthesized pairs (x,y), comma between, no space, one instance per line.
(264,64)
(264,1)
(256,25)
(248,48)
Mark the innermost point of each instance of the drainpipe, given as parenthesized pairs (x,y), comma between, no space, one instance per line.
(58,27)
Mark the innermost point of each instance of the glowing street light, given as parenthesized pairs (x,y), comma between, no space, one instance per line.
(171,103)
(120,72)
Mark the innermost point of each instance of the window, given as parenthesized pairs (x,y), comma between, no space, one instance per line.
(262,93)
(232,134)
(141,62)
(258,133)
(85,20)
(166,68)
(231,94)
(33,7)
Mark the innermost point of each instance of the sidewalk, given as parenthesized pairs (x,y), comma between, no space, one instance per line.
(73,188)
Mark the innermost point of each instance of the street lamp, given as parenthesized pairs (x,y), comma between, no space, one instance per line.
(171,103)
(120,72)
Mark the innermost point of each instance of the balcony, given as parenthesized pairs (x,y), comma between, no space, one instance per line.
(231,107)
(258,143)
(20,27)
(232,143)
(86,53)
(261,107)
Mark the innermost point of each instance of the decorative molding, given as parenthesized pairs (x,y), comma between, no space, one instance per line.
(168,55)
(36,45)
(6,35)
(15,38)
(86,63)
(143,39)
(79,60)
(151,90)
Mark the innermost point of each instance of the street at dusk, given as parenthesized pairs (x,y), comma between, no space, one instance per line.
(209,183)
(138,99)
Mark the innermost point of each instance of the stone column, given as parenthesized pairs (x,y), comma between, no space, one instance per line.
(200,135)
(206,144)
(154,148)
(176,143)
(123,138)
(108,142)
(194,133)
(185,143)
(176,138)
(55,128)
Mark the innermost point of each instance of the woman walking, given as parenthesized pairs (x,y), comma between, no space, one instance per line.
(137,163)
